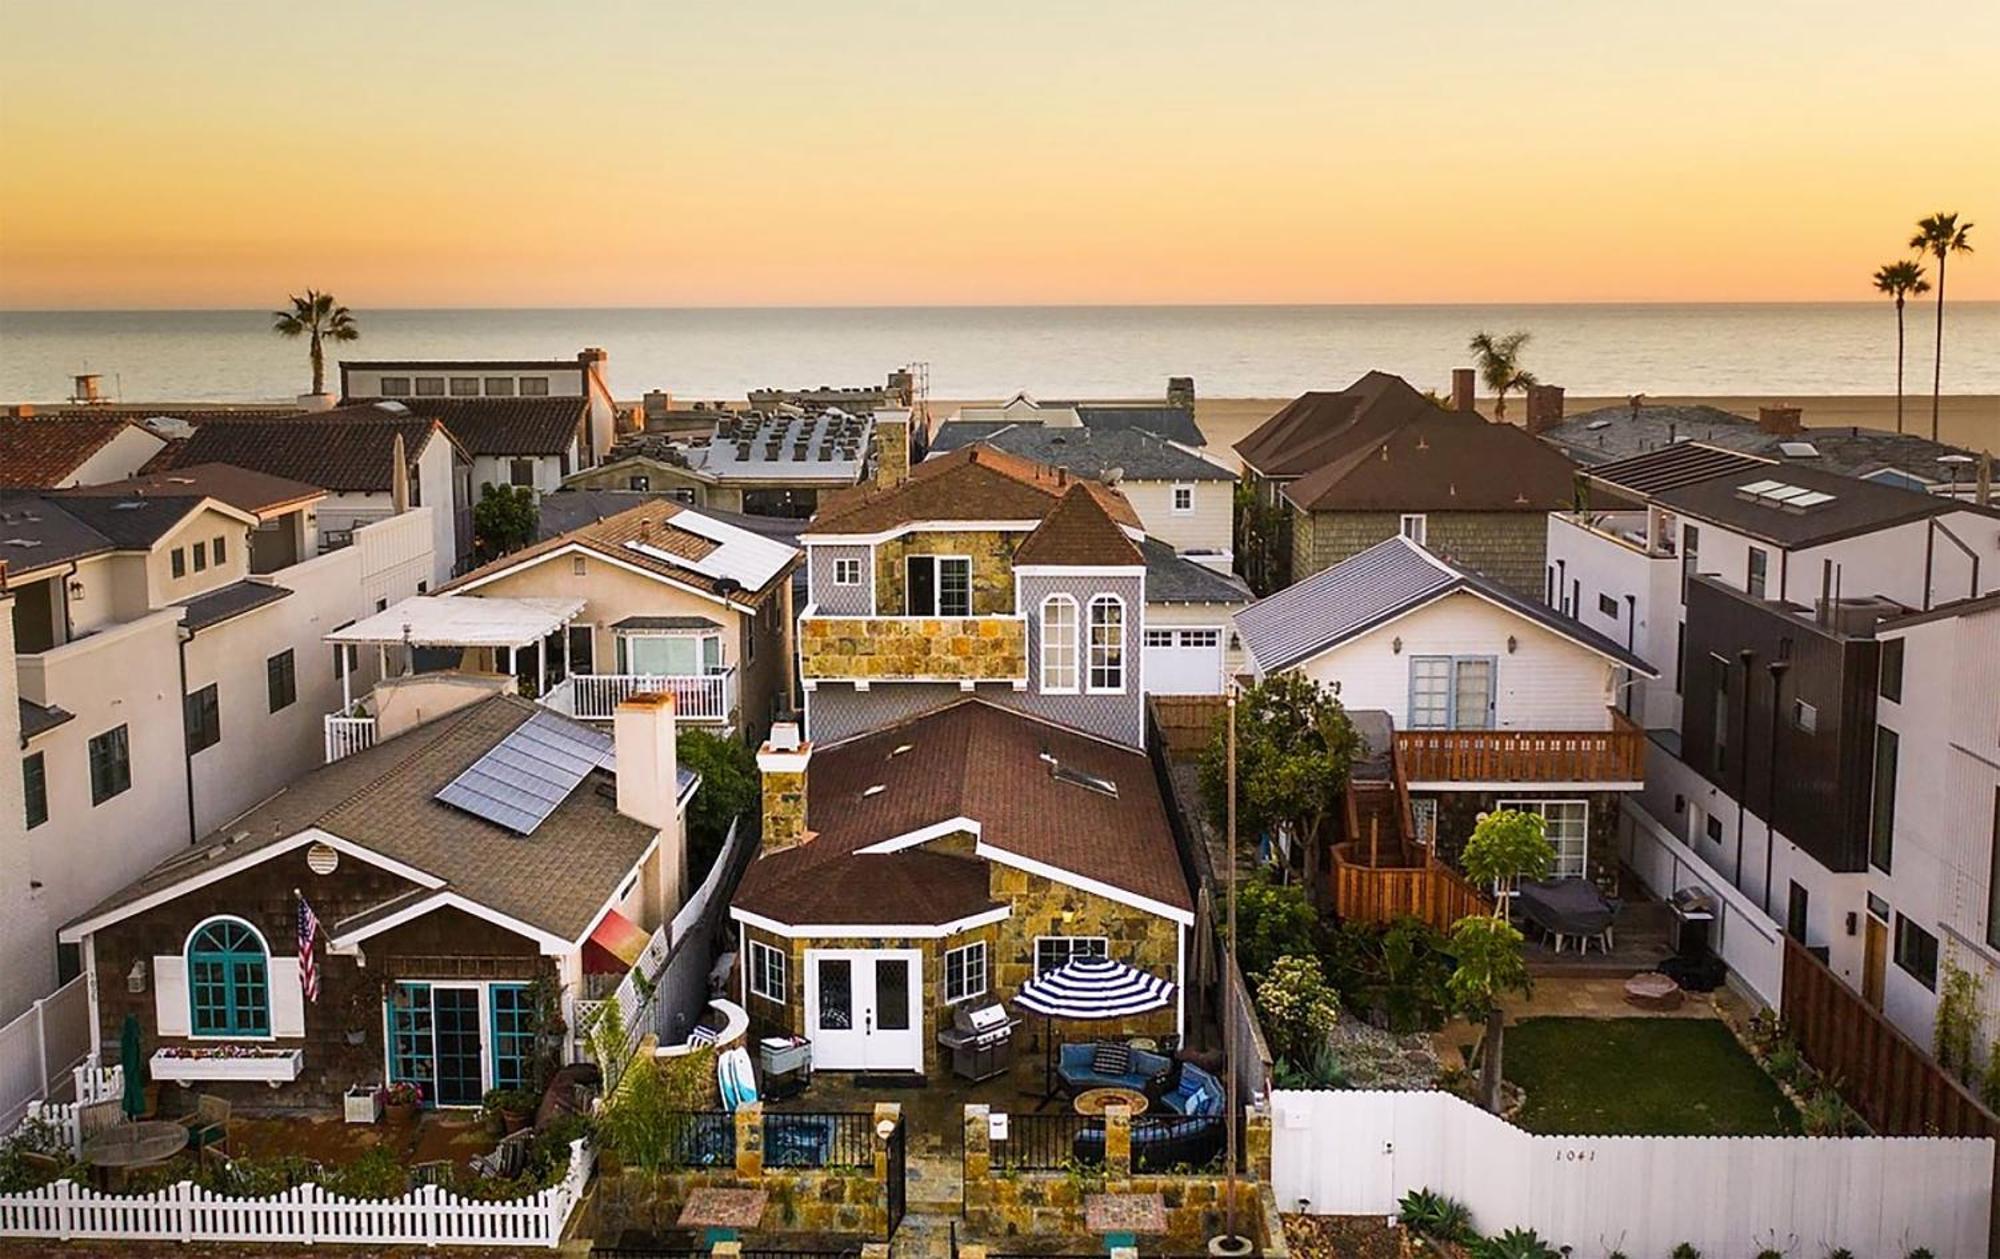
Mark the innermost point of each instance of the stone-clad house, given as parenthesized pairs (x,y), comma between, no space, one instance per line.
(1378,459)
(946,859)
(459,913)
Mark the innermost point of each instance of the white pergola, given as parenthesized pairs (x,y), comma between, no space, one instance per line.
(457,621)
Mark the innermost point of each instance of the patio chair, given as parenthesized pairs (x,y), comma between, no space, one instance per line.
(208,1125)
(96,1117)
(508,1159)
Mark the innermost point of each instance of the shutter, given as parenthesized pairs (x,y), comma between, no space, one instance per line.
(288,1000)
(170,996)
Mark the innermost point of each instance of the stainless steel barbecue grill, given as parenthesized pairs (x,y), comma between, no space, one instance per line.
(981,1041)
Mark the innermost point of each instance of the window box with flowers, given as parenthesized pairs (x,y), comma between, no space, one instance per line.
(188,1064)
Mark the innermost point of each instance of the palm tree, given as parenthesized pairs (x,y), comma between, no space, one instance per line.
(1899,280)
(1940,235)
(1499,363)
(319,316)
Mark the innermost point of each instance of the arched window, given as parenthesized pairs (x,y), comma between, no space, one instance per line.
(1107,644)
(1059,644)
(229,980)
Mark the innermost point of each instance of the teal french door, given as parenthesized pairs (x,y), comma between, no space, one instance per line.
(435,1042)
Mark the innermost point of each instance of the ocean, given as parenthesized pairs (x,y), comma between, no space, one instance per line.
(1053,352)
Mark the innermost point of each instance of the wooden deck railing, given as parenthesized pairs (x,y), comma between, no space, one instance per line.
(1433,892)
(1525,756)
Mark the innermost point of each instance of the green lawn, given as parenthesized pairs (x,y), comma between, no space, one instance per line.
(1663,1077)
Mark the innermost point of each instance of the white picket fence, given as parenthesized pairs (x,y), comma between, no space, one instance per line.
(1357,1153)
(88,1084)
(38,1048)
(307,1214)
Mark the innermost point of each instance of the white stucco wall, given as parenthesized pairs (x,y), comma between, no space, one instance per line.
(19,923)
(1601,565)
(117,459)
(499,470)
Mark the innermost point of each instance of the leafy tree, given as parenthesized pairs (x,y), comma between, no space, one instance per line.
(1490,966)
(1499,362)
(1507,845)
(1294,746)
(1899,280)
(730,789)
(318,317)
(1940,235)
(504,519)
(1299,1010)
(1261,530)
(1272,920)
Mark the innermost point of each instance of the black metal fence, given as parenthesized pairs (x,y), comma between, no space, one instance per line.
(1047,1143)
(1161,1144)
(820,1139)
(698,1138)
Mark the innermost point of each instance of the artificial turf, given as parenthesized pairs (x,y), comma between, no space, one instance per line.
(1661,1077)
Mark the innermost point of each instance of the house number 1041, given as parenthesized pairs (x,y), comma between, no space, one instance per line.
(1576,1156)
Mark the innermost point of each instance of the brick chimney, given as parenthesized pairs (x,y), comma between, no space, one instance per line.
(1545,407)
(1780,421)
(1180,391)
(892,448)
(782,764)
(1462,380)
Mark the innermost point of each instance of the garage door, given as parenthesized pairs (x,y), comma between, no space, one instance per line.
(1184,661)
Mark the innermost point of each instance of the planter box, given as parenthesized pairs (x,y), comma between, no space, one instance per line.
(270,1066)
(362,1103)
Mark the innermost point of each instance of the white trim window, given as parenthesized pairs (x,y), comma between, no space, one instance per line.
(1568,830)
(668,654)
(1107,645)
(1053,951)
(1059,645)
(767,972)
(965,972)
(937,585)
(847,571)
(1183,500)
(1415,526)
(1453,692)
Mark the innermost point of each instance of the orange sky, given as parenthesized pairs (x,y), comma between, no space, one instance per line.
(211,154)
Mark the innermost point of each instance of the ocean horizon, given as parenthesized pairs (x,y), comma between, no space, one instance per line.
(1232,351)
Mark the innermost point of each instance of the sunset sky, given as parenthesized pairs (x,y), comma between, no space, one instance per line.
(653,153)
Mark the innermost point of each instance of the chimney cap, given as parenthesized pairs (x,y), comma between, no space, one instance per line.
(784,736)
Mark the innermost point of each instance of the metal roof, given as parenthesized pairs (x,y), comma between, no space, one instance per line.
(1673,466)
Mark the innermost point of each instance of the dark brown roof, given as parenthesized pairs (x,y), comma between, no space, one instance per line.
(1443,461)
(1319,427)
(500,426)
(1671,467)
(39,452)
(976,761)
(976,483)
(1078,531)
(324,450)
(242,488)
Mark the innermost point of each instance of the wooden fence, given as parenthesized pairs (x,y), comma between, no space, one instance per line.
(1187,722)
(1435,892)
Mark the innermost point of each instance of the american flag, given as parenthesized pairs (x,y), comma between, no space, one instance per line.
(308,969)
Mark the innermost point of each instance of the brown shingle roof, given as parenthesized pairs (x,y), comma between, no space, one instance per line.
(976,761)
(1078,531)
(1319,427)
(332,453)
(242,488)
(976,483)
(38,453)
(1443,461)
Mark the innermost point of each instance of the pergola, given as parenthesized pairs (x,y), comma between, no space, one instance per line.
(457,621)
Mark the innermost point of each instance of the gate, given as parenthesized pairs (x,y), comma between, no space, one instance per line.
(897,1189)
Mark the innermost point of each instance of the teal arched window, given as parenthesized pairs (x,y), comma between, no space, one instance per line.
(229,980)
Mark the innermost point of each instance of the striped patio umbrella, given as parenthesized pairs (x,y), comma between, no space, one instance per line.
(1094,988)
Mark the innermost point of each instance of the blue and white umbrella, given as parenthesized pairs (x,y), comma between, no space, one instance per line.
(1093,988)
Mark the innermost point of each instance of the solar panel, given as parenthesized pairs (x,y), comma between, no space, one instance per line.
(522,778)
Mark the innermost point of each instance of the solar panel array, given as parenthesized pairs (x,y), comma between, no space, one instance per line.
(522,778)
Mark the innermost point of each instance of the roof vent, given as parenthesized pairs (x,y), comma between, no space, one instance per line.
(1595,425)
(392,407)
(900,749)
(1798,450)
(876,790)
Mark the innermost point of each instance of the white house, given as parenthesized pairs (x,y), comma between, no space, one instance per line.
(448,387)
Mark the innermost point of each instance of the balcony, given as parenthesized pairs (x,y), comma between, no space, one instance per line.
(708,699)
(1612,759)
(962,649)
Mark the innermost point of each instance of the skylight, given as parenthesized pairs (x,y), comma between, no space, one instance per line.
(1784,496)
(1082,778)
(1798,450)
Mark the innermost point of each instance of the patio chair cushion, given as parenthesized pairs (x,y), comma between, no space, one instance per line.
(1114,1060)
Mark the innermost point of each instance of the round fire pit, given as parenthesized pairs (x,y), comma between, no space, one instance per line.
(1653,991)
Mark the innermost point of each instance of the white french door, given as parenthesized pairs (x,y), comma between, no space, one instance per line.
(863,1009)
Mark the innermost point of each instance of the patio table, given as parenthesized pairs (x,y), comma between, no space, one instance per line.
(722,1212)
(1567,907)
(1120,1217)
(118,1149)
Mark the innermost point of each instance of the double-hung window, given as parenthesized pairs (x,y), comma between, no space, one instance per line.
(1107,645)
(1568,832)
(965,972)
(1184,500)
(1415,526)
(847,571)
(937,585)
(110,764)
(1452,692)
(1757,574)
(1059,644)
(1053,951)
(35,789)
(281,680)
(767,972)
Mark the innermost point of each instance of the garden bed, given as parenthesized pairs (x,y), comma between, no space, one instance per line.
(1642,1077)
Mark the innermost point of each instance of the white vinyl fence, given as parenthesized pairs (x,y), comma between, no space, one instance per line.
(307,1214)
(1357,1153)
(38,1049)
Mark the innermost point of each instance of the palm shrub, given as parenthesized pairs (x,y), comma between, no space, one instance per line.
(1940,235)
(1498,360)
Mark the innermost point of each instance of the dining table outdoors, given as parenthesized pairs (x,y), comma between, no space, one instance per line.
(723,1213)
(122,1147)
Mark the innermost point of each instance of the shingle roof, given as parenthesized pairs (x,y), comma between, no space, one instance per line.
(1671,467)
(41,718)
(975,761)
(41,451)
(242,488)
(1318,427)
(325,450)
(1441,461)
(1855,505)
(1077,532)
(36,531)
(1139,455)
(1173,423)
(1381,583)
(229,601)
(556,879)
(954,434)
(977,483)
(131,522)
(1173,578)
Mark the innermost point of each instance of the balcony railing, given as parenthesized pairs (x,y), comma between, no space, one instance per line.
(913,648)
(596,696)
(1613,755)
(347,735)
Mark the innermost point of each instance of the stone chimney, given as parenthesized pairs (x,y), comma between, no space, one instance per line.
(1780,421)
(892,448)
(1180,391)
(782,763)
(901,387)
(1462,381)
(1545,407)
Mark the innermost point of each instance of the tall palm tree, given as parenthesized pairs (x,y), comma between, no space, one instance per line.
(1499,363)
(1939,236)
(1899,280)
(319,316)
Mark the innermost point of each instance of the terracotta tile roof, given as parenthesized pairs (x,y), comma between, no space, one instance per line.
(39,452)
(1079,531)
(976,761)
(1319,427)
(496,426)
(242,488)
(322,449)
(975,483)
(1441,461)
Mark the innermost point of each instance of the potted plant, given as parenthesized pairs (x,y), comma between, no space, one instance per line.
(517,1107)
(362,1103)
(401,1101)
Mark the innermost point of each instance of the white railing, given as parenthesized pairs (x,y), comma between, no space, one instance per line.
(596,696)
(347,735)
(306,1214)
(38,1048)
